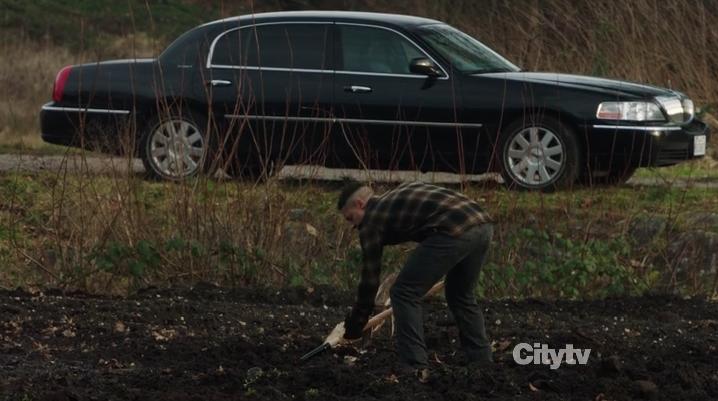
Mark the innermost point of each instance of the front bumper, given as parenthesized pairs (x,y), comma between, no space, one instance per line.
(611,146)
(97,129)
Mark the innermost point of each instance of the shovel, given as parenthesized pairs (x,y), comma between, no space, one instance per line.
(337,334)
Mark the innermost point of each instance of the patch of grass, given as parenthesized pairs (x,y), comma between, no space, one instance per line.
(706,168)
(19,190)
(559,267)
(35,146)
(119,233)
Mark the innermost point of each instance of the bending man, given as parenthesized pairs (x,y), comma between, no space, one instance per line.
(453,233)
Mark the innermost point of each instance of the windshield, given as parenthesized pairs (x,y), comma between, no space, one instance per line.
(465,53)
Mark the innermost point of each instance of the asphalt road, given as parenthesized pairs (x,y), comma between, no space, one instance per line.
(120,166)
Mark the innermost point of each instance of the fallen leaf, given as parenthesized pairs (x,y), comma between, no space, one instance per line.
(311,230)
(501,346)
(164,334)
(120,327)
(423,375)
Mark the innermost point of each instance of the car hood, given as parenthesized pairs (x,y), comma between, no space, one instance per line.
(607,86)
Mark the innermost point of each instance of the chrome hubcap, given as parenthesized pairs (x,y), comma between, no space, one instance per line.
(535,156)
(177,148)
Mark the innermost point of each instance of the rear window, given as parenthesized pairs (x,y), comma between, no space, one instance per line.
(294,46)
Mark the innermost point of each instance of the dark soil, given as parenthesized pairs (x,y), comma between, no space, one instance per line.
(209,343)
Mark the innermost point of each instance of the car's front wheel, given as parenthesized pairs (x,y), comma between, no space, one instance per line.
(539,155)
(174,147)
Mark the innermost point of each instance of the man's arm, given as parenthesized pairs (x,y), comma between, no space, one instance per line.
(368,285)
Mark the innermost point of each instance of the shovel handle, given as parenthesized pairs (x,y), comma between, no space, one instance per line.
(315,351)
(373,322)
(383,315)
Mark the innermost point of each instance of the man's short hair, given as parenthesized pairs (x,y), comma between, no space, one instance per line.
(349,189)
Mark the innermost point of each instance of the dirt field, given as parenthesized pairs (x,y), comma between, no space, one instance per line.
(215,344)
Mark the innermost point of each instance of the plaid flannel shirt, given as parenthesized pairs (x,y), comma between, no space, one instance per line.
(410,212)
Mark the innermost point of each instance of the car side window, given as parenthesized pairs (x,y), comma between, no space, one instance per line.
(376,50)
(294,46)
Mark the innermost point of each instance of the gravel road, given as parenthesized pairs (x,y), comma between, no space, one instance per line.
(114,165)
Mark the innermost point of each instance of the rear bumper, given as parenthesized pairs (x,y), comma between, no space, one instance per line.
(612,146)
(82,127)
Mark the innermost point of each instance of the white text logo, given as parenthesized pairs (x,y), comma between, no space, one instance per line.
(541,354)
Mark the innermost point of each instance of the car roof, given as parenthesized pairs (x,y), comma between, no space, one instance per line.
(345,16)
(209,30)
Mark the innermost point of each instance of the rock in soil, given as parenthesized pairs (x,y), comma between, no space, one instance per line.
(646,389)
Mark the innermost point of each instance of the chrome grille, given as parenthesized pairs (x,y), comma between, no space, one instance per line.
(671,155)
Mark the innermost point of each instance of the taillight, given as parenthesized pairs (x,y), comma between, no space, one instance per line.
(60,81)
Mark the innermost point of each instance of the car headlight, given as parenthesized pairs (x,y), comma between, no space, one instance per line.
(630,111)
(689,109)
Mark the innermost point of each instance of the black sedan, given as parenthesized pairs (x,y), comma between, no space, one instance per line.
(366,90)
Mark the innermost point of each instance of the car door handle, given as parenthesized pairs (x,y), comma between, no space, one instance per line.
(357,89)
(219,82)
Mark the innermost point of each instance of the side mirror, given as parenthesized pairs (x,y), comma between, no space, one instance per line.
(424,66)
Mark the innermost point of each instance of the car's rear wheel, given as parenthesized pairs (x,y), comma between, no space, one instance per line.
(175,146)
(541,154)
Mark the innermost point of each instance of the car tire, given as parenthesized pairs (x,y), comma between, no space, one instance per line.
(175,146)
(539,154)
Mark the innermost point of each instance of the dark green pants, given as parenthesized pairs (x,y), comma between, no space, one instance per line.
(460,260)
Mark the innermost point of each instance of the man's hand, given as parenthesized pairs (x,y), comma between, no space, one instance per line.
(336,337)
